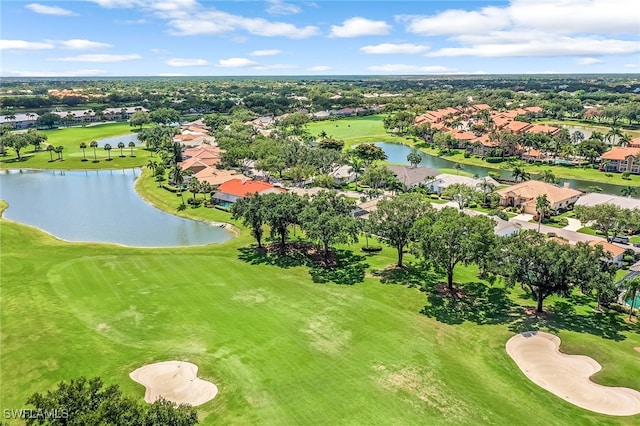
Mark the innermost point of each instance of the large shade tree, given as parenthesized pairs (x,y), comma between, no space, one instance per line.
(394,220)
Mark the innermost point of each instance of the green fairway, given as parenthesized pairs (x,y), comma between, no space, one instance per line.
(355,130)
(284,342)
(70,139)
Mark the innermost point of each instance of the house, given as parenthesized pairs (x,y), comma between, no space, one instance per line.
(634,143)
(232,190)
(78,116)
(443,181)
(363,210)
(621,159)
(595,198)
(123,113)
(413,176)
(541,128)
(616,253)
(20,120)
(216,177)
(343,174)
(524,195)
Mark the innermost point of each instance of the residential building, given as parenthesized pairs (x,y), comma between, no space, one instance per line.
(443,181)
(20,120)
(524,195)
(621,159)
(123,113)
(232,190)
(595,198)
(413,176)
(616,253)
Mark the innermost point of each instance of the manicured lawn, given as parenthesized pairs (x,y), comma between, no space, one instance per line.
(70,139)
(355,130)
(287,343)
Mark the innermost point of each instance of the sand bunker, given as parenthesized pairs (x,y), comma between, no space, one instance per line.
(567,376)
(175,381)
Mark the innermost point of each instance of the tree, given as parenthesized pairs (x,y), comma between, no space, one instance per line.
(131,146)
(544,265)
(48,120)
(543,207)
(461,193)
(177,178)
(328,143)
(253,214)
(139,119)
(83,147)
(165,116)
(369,153)
(591,148)
(450,237)
(194,187)
(121,145)
(357,166)
(94,145)
(50,148)
(328,219)
(519,174)
(548,176)
(631,290)
(609,219)
(58,151)
(377,176)
(394,220)
(108,148)
(35,138)
(594,271)
(283,210)
(414,158)
(17,141)
(486,187)
(87,401)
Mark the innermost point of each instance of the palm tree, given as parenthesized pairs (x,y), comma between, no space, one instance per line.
(548,176)
(194,187)
(487,187)
(629,191)
(357,166)
(458,167)
(624,140)
(543,206)
(121,145)
(108,148)
(50,148)
(94,145)
(58,150)
(176,176)
(631,290)
(414,158)
(152,164)
(83,147)
(519,173)
(131,146)
(612,134)
(577,137)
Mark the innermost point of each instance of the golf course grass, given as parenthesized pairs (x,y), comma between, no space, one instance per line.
(355,130)
(71,138)
(287,341)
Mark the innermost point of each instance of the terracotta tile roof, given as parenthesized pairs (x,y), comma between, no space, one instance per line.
(244,187)
(463,136)
(533,109)
(635,143)
(217,177)
(203,151)
(541,128)
(517,126)
(531,189)
(619,153)
(614,250)
(532,153)
(480,107)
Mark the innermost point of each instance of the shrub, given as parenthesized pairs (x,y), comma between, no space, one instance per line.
(628,259)
(170,188)
(499,213)
(472,205)
(467,154)
(551,234)
(434,196)
(494,159)
(371,249)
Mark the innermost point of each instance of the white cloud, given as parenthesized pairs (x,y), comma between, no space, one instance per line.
(113,4)
(24,45)
(185,62)
(357,26)
(48,10)
(631,65)
(395,49)
(588,61)
(130,21)
(236,63)
(319,68)
(457,22)
(274,67)
(541,45)
(72,73)
(278,7)
(408,69)
(81,44)
(99,58)
(269,52)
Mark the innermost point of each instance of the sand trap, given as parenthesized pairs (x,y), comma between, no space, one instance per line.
(567,376)
(175,381)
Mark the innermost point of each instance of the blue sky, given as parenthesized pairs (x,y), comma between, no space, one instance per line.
(277,37)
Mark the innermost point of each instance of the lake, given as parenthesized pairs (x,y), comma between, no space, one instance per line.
(113,141)
(98,206)
(397,153)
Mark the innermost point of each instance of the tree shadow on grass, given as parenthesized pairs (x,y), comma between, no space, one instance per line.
(413,276)
(342,267)
(475,302)
(563,316)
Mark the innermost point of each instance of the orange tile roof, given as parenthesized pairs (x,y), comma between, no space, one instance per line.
(217,177)
(481,106)
(463,136)
(534,109)
(635,143)
(531,189)
(243,187)
(614,250)
(619,153)
(532,153)
(517,126)
(541,128)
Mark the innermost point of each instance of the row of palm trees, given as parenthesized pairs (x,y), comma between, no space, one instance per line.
(107,147)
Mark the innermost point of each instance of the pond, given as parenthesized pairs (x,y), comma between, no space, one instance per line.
(98,206)
(115,140)
(397,153)
(587,131)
